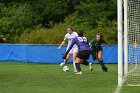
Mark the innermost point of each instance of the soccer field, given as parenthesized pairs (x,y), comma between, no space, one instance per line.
(50,78)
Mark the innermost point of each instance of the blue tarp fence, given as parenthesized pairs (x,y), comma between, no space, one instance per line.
(40,53)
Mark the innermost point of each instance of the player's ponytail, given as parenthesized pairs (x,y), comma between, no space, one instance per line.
(80,33)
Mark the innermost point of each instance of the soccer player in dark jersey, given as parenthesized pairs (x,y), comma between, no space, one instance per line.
(84,51)
(97,50)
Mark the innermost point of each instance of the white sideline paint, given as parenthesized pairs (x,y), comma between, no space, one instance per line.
(117,90)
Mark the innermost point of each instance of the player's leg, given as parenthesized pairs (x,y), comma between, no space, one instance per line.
(78,60)
(65,60)
(99,57)
(74,58)
(84,55)
(94,54)
(86,63)
(77,64)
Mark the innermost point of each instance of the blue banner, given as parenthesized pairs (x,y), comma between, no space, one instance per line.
(47,53)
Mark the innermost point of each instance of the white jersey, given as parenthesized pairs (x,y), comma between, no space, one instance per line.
(70,37)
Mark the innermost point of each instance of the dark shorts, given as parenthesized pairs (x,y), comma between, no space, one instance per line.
(94,52)
(97,49)
(84,54)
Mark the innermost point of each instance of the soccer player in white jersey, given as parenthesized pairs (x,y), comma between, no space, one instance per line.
(69,37)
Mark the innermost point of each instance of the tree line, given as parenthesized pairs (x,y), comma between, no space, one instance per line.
(45,21)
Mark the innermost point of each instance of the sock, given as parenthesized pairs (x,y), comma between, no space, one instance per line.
(102,64)
(74,66)
(78,67)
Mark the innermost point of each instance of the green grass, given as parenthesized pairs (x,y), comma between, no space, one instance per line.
(50,78)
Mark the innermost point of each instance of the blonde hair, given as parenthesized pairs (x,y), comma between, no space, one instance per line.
(70,28)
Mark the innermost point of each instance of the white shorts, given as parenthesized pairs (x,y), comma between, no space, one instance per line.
(73,50)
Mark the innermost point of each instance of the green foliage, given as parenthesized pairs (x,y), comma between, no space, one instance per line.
(21,20)
(44,36)
(14,20)
(56,34)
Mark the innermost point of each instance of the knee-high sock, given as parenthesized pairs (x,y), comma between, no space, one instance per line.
(102,64)
(78,67)
(74,66)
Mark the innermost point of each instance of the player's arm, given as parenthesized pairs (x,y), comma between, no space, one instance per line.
(70,47)
(107,43)
(91,43)
(88,43)
(63,42)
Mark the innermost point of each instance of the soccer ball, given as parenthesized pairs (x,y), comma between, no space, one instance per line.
(66,69)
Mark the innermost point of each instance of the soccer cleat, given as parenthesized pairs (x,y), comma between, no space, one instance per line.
(79,73)
(90,66)
(62,64)
(105,69)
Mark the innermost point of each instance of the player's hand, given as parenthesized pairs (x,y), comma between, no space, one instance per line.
(59,47)
(65,55)
(89,44)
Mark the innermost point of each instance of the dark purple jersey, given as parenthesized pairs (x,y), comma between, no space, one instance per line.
(81,42)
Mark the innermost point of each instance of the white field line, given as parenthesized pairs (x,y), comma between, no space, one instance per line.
(117,90)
